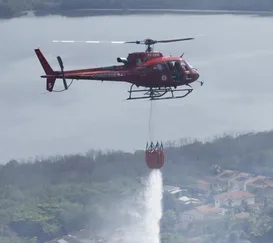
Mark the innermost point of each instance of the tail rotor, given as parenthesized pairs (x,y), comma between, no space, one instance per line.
(60,61)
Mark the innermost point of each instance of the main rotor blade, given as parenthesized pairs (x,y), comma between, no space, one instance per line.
(88,41)
(134,42)
(121,42)
(174,40)
(151,41)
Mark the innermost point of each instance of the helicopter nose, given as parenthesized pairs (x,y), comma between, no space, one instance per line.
(196,75)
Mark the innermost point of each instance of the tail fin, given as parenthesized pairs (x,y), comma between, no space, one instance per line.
(50,84)
(50,81)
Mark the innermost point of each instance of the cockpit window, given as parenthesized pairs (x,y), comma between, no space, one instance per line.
(189,65)
(173,65)
(184,65)
(161,67)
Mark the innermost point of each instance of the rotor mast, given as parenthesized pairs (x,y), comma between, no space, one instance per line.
(149,43)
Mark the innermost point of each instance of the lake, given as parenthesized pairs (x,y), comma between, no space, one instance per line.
(234,55)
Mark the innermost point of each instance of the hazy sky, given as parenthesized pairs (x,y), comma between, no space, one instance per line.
(234,55)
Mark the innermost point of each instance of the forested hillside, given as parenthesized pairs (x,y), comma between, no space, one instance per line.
(49,198)
(10,8)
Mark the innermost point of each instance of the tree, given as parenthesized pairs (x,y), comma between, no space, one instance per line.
(168,221)
(216,169)
(52,196)
(234,237)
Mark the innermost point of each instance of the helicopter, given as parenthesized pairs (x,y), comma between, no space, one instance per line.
(149,72)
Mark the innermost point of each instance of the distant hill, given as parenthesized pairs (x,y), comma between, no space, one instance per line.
(14,8)
(47,199)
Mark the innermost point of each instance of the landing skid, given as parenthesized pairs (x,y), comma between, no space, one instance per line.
(158,93)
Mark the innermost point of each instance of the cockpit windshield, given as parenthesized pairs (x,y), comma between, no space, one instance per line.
(191,67)
(184,65)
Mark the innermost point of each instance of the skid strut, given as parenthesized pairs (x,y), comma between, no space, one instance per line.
(157,93)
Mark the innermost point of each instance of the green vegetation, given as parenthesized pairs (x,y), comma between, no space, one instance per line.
(10,8)
(46,199)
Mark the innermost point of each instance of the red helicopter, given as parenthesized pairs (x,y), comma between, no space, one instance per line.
(158,74)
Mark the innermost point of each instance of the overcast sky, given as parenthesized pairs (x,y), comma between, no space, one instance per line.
(234,55)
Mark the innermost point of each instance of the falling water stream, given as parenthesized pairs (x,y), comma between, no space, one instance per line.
(145,224)
(153,206)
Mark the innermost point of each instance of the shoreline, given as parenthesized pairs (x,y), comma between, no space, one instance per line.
(103,12)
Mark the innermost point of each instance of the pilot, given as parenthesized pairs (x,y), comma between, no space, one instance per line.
(177,66)
(170,66)
(177,71)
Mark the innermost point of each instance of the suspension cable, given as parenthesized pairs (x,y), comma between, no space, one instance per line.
(150,133)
